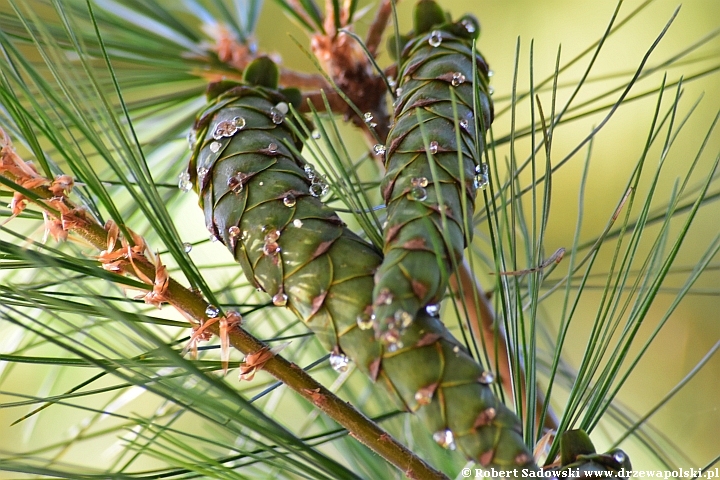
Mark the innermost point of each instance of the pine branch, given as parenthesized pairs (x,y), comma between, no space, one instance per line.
(65,216)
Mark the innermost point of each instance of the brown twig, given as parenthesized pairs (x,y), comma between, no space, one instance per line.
(378,27)
(193,306)
(467,291)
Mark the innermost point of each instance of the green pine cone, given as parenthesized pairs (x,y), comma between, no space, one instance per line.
(579,458)
(430,207)
(262,202)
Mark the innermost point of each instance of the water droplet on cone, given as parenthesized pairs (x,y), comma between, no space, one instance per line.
(184,183)
(445,439)
(419,182)
(403,319)
(418,194)
(424,396)
(392,340)
(486,378)
(365,321)
(432,309)
(192,139)
(237,182)
(457,79)
(279,299)
(339,362)
(289,200)
(379,149)
(319,188)
(187,247)
(276,116)
(435,38)
(469,26)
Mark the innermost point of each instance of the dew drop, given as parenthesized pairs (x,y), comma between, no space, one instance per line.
(282,107)
(469,26)
(339,362)
(319,188)
(213,238)
(202,171)
(435,38)
(399,91)
(491,91)
(419,182)
(619,457)
(432,309)
(365,321)
(481,177)
(211,311)
(297,223)
(392,340)
(271,235)
(279,299)
(215,147)
(289,200)
(234,231)
(379,149)
(187,247)
(445,438)
(423,396)
(465,124)
(418,194)
(273,148)
(271,248)
(403,319)
(239,122)
(456,349)
(316,134)
(191,139)
(490,73)
(276,116)
(486,378)
(487,416)
(310,171)
(184,183)
(457,79)
(237,182)
(368,117)
(228,128)
(433,147)
(387,297)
